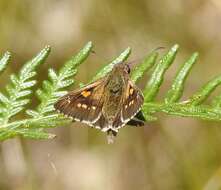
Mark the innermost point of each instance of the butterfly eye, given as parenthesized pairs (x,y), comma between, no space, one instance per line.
(127,68)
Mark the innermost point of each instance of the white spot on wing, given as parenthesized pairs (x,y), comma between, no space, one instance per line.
(84,106)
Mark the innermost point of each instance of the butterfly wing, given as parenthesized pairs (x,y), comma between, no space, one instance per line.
(83,105)
(132,102)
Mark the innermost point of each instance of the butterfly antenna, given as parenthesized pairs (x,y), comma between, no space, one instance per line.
(159,48)
(99,55)
(138,60)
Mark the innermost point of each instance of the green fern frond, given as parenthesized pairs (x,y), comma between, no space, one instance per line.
(53,88)
(20,87)
(143,67)
(176,91)
(156,78)
(44,115)
(193,106)
(4,61)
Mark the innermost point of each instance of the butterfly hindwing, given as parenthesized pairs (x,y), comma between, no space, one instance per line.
(101,123)
(83,105)
(132,102)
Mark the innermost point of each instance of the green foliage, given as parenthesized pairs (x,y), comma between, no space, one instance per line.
(4,61)
(193,106)
(20,88)
(34,121)
(43,116)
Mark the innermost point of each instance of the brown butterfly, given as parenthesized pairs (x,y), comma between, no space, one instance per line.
(107,104)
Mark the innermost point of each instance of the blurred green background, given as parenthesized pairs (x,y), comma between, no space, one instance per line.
(170,154)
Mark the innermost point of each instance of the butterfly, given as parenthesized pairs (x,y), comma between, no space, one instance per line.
(107,104)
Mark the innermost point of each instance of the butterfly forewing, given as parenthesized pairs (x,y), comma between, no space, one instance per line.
(83,105)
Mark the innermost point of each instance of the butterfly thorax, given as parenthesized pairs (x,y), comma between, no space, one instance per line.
(114,89)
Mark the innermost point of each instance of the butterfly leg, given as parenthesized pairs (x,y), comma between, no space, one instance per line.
(111,136)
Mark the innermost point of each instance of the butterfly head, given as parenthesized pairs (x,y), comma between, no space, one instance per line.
(126,68)
(117,78)
(122,67)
